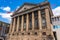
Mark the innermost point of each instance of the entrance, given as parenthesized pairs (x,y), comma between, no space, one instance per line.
(55,35)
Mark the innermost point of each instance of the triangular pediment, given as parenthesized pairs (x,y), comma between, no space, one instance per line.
(25,7)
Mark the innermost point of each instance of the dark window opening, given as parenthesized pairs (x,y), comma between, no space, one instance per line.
(22,33)
(24,27)
(15,24)
(36,20)
(44,23)
(28,33)
(35,39)
(52,19)
(20,23)
(12,34)
(54,33)
(43,18)
(30,21)
(43,39)
(35,33)
(57,18)
(24,8)
(44,33)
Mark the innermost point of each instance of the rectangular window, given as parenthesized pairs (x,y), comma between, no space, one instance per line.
(57,18)
(30,21)
(0,24)
(36,20)
(24,25)
(43,18)
(20,23)
(15,24)
(52,19)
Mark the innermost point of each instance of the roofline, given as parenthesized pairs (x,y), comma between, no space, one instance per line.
(4,22)
(41,4)
(55,16)
(23,5)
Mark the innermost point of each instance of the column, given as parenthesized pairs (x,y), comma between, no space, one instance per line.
(40,24)
(14,21)
(22,21)
(39,20)
(48,23)
(32,20)
(11,25)
(47,18)
(27,22)
(18,23)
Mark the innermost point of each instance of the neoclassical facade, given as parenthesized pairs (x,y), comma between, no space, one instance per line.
(31,22)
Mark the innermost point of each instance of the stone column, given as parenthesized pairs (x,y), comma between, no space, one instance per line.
(47,18)
(48,23)
(40,24)
(18,23)
(32,20)
(39,20)
(14,21)
(27,22)
(22,21)
(11,25)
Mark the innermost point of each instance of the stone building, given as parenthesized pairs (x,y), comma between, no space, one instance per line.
(4,29)
(31,22)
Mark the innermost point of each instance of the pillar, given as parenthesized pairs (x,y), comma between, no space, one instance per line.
(22,21)
(27,22)
(48,23)
(18,22)
(40,24)
(39,20)
(32,20)
(48,19)
(14,21)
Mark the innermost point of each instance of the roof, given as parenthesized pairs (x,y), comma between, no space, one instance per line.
(36,5)
(4,22)
(31,5)
(25,4)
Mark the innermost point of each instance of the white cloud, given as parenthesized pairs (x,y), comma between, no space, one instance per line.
(6,16)
(5,8)
(56,11)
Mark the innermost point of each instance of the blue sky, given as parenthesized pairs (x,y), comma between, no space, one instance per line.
(12,5)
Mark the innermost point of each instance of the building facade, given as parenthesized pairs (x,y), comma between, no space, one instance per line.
(4,29)
(31,22)
(56,26)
